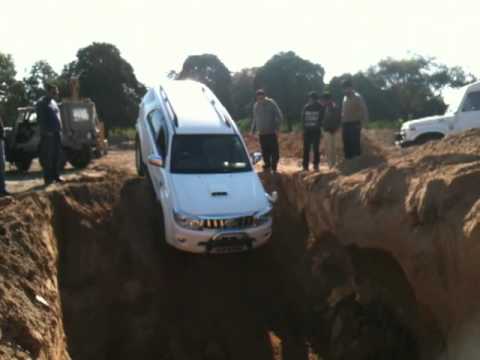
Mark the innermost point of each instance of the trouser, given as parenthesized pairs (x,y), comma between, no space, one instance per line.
(311,142)
(50,151)
(270,152)
(331,147)
(2,167)
(351,139)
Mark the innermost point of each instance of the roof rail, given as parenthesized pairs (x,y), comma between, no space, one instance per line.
(167,101)
(222,117)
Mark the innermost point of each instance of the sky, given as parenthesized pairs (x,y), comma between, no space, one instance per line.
(157,36)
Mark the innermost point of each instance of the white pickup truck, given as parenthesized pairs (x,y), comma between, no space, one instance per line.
(463,113)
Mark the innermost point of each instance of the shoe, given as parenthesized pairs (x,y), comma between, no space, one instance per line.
(59,180)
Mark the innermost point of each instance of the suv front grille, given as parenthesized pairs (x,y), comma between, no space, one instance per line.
(232,223)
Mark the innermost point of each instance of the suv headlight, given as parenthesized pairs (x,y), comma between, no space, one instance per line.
(412,128)
(263,217)
(187,221)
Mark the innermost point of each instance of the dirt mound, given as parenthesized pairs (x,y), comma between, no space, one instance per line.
(84,273)
(378,264)
(420,212)
(374,147)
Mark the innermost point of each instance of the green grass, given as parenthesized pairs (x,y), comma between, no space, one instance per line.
(123,133)
(384,124)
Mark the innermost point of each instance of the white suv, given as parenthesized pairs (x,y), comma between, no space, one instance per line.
(211,197)
(463,113)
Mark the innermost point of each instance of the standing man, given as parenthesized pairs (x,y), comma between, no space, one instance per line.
(354,116)
(3,190)
(312,116)
(267,118)
(48,115)
(331,124)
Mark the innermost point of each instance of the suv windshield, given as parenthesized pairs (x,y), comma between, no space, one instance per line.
(208,154)
(453,97)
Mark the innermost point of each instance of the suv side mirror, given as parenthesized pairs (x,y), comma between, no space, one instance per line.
(155,160)
(256,157)
(273,197)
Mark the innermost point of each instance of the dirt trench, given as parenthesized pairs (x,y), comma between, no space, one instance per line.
(85,275)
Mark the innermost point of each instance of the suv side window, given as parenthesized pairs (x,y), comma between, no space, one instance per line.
(162,143)
(156,121)
(472,102)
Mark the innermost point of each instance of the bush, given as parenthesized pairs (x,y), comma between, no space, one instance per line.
(127,133)
(384,124)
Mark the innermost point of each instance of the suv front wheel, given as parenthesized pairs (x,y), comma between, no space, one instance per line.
(79,158)
(138,157)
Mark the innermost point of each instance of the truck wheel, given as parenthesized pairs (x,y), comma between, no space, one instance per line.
(138,158)
(79,158)
(23,165)
(423,139)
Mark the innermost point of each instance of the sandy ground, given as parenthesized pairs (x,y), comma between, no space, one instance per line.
(16,182)
(122,157)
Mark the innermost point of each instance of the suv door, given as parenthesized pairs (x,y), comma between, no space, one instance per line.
(157,143)
(469,115)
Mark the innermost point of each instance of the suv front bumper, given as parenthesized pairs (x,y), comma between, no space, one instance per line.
(400,140)
(219,241)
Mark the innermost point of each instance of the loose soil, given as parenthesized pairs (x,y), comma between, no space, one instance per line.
(359,267)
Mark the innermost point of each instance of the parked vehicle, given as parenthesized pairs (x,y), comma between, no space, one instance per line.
(22,139)
(83,135)
(463,113)
(189,147)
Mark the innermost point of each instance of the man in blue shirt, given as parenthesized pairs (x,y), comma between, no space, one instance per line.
(3,191)
(48,115)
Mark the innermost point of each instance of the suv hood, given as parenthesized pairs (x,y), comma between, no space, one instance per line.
(219,194)
(427,121)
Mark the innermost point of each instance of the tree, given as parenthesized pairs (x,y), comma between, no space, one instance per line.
(378,101)
(109,80)
(288,78)
(40,74)
(243,92)
(406,88)
(12,92)
(209,70)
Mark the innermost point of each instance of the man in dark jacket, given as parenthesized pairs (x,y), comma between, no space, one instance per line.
(354,118)
(312,116)
(267,118)
(3,191)
(48,115)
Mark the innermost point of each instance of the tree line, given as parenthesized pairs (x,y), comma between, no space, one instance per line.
(393,89)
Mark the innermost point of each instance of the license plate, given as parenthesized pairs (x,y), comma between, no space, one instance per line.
(228,249)
(229,243)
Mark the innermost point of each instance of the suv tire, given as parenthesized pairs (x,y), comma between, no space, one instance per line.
(23,165)
(425,138)
(139,164)
(79,158)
